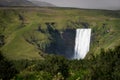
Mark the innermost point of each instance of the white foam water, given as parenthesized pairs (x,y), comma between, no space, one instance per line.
(82,43)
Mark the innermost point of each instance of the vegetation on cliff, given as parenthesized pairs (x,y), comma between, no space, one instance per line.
(26,34)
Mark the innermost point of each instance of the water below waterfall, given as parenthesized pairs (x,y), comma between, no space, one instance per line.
(82,43)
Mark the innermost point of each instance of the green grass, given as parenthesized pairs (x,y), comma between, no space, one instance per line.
(17,48)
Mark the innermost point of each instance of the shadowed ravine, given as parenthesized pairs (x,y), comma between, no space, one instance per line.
(71,43)
(64,42)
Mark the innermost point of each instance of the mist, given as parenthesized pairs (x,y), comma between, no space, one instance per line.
(90,4)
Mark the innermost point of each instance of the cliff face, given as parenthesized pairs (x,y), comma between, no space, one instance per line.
(69,40)
(63,41)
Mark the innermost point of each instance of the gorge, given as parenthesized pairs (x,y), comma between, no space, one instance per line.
(70,43)
(53,31)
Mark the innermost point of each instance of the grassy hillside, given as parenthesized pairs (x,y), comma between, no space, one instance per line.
(21,25)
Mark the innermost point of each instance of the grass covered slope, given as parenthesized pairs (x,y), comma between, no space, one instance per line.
(20,27)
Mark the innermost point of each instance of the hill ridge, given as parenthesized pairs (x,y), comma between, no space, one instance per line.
(7,3)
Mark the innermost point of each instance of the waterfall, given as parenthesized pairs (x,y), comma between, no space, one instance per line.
(82,43)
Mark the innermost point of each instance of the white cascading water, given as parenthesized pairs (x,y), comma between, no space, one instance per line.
(82,43)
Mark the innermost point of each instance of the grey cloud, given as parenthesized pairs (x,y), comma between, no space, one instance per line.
(94,4)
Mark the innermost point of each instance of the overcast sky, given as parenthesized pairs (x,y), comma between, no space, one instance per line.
(96,4)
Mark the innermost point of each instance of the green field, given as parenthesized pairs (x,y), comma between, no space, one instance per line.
(18,24)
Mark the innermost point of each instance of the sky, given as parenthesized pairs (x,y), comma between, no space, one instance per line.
(93,4)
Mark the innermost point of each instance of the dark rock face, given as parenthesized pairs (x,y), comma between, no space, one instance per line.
(69,40)
(63,42)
